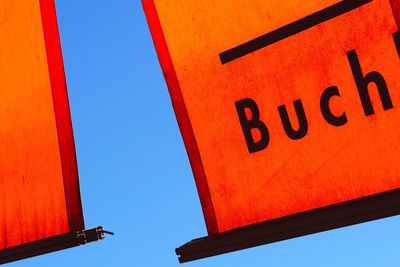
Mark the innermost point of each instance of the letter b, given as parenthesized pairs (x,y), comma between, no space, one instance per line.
(253,123)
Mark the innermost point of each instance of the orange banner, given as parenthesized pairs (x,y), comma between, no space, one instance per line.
(39,190)
(284,106)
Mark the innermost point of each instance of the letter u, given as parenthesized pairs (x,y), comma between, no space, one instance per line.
(301,116)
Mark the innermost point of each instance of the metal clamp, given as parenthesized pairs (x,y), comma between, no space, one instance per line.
(91,235)
(81,235)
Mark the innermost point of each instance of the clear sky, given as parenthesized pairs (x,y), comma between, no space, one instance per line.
(134,172)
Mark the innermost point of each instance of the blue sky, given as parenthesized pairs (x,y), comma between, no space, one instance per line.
(134,172)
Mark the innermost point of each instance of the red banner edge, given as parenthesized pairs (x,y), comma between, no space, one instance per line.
(62,115)
(181,115)
(395,4)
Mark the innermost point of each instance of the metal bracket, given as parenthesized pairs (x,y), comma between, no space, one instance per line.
(91,235)
(81,237)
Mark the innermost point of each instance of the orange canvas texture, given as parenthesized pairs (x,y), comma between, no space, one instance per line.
(333,72)
(33,198)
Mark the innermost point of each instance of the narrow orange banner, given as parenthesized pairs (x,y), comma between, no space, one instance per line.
(39,191)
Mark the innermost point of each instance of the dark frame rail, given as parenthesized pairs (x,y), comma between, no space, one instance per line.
(327,218)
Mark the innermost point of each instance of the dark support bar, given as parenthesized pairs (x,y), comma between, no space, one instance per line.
(396,37)
(52,244)
(293,28)
(339,215)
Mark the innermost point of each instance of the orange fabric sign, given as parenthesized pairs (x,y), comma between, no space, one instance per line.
(284,106)
(39,191)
